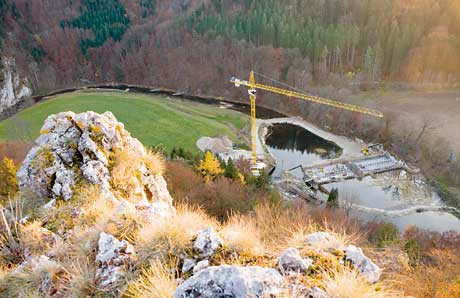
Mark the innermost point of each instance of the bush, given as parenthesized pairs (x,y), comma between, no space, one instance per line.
(383,234)
(218,198)
(8,181)
(414,251)
(333,199)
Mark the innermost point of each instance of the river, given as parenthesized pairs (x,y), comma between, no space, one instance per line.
(387,197)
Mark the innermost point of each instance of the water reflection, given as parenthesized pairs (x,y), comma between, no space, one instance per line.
(293,145)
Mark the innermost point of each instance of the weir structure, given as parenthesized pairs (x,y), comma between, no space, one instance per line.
(339,170)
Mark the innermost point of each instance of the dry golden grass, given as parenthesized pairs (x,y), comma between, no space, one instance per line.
(240,234)
(26,281)
(155,281)
(350,284)
(125,174)
(275,222)
(124,226)
(83,244)
(170,236)
(36,239)
(82,281)
(154,162)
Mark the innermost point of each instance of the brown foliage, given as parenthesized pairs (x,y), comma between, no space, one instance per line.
(14,150)
(219,198)
(440,279)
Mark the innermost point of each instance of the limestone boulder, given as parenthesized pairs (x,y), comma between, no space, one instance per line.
(291,260)
(13,86)
(200,266)
(112,258)
(79,148)
(207,242)
(367,268)
(232,282)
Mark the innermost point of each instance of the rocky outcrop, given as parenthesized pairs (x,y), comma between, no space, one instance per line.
(200,266)
(367,268)
(74,148)
(291,260)
(13,87)
(207,242)
(232,281)
(188,265)
(113,257)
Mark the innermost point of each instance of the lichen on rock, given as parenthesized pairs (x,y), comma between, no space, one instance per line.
(77,148)
(113,257)
(207,242)
(367,268)
(232,281)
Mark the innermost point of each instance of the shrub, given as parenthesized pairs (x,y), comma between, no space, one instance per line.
(413,250)
(438,279)
(8,181)
(333,198)
(219,198)
(383,234)
(209,167)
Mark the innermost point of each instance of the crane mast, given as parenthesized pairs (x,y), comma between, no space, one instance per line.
(252,89)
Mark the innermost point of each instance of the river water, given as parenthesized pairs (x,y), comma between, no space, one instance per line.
(292,145)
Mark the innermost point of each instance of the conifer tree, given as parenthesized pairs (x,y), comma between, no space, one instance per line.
(209,167)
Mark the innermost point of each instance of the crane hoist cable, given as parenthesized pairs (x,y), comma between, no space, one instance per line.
(298,94)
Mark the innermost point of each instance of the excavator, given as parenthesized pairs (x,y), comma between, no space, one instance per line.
(253,86)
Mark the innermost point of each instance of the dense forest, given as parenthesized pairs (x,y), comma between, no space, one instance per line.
(306,43)
(338,36)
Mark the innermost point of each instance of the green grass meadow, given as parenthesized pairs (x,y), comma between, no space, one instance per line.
(154,120)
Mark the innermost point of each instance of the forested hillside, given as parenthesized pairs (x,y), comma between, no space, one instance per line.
(195,45)
(338,36)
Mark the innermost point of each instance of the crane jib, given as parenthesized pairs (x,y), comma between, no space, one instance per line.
(316,99)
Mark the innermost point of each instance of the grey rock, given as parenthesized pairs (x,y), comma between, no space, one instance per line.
(322,240)
(207,242)
(76,147)
(367,268)
(304,292)
(227,281)
(200,266)
(188,265)
(112,257)
(13,86)
(291,260)
(64,183)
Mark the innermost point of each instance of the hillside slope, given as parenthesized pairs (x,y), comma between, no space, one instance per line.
(155,120)
(164,42)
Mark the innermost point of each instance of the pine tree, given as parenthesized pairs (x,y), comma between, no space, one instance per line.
(231,171)
(369,63)
(333,199)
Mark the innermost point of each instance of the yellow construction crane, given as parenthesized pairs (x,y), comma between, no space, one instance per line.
(253,86)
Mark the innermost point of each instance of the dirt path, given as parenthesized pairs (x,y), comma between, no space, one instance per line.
(413,109)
